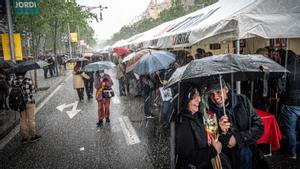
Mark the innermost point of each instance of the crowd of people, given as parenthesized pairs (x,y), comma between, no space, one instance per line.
(215,126)
(234,141)
(55,67)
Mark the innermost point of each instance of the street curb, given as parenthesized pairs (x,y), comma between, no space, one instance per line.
(14,130)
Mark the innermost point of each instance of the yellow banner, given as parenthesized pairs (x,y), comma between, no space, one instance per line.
(17,43)
(74,37)
(5,46)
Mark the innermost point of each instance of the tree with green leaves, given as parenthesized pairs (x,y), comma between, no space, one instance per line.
(51,24)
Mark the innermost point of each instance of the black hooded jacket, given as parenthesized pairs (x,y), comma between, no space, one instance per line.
(191,142)
(247,126)
(291,96)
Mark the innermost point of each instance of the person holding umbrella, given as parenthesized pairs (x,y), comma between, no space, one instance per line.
(103,83)
(193,147)
(78,82)
(240,125)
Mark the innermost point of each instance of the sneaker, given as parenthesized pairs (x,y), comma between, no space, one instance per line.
(24,141)
(35,138)
(107,120)
(100,123)
(293,156)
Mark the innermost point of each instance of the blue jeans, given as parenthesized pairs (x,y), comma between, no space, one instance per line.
(246,158)
(121,87)
(165,111)
(147,103)
(289,116)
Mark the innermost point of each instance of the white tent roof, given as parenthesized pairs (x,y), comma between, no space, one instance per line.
(227,20)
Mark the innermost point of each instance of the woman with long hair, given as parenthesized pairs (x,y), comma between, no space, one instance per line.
(193,146)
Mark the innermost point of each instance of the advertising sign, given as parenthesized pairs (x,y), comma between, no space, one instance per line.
(26,7)
(17,43)
(74,37)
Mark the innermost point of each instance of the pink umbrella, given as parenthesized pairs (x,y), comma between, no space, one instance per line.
(121,51)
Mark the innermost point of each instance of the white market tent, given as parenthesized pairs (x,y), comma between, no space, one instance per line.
(226,20)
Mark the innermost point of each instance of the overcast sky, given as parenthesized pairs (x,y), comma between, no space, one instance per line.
(118,14)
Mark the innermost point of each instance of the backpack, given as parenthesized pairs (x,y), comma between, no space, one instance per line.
(3,84)
(16,98)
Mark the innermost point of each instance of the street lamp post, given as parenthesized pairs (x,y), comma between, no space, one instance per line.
(10,31)
(70,44)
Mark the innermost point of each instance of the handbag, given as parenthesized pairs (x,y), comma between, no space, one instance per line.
(108,93)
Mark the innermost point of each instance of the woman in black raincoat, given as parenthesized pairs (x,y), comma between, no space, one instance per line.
(192,146)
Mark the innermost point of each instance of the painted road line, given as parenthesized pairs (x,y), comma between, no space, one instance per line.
(128,131)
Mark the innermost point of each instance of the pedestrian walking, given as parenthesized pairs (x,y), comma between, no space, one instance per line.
(51,66)
(45,68)
(88,78)
(27,114)
(121,69)
(103,84)
(61,62)
(78,82)
(88,83)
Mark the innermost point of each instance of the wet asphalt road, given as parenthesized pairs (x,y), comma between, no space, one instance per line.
(78,143)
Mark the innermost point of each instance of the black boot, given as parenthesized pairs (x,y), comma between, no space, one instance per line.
(100,123)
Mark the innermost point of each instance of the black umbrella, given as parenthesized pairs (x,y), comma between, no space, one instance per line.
(6,64)
(30,65)
(230,66)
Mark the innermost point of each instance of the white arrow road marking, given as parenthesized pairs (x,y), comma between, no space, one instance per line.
(63,106)
(71,113)
(128,131)
(115,100)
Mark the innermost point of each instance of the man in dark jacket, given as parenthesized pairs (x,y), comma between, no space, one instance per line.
(148,87)
(243,126)
(89,85)
(291,101)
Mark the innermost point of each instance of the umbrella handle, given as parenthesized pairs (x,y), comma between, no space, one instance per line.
(223,101)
